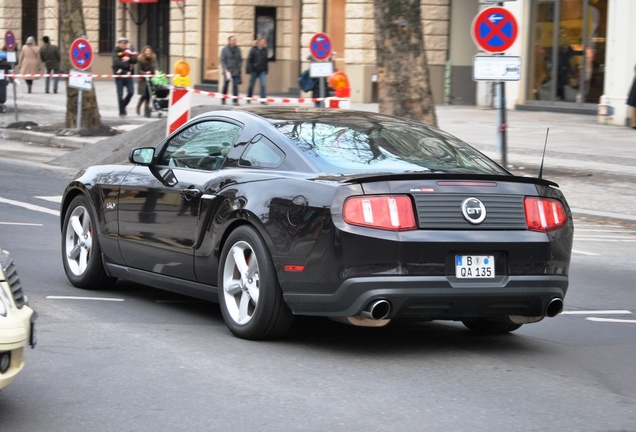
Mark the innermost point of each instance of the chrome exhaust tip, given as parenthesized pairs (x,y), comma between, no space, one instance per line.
(555,307)
(377,310)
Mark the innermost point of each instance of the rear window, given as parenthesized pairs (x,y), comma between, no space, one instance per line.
(384,147)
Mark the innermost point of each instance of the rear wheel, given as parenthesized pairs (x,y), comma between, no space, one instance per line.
(491,325)
(250,297)
(81,254)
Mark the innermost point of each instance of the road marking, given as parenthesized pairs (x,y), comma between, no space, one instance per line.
(597,312)
(55,199)
(20,223)
(29,206)
(585,253)
(84,298)
(611,320)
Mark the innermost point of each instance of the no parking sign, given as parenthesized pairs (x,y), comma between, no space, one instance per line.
(81,54)
(494,29)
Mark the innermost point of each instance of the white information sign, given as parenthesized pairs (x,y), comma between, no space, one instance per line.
(496,68)
(320,69)
(80,80)
(11,57)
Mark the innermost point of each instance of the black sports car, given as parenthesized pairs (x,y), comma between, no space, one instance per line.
(357,216)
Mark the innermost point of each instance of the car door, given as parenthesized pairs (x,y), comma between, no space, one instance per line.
(159,204)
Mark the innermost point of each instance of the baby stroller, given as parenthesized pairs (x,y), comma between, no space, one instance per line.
(159,94)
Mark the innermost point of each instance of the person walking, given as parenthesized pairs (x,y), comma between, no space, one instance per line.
(124,60)
(147,66)
(256,67)
(631,101)
(232,62)
(50,56)
(29,60)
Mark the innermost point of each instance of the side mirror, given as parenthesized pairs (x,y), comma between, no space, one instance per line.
(142,155)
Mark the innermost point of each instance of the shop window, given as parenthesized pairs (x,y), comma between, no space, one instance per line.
(265,26)
(106,25)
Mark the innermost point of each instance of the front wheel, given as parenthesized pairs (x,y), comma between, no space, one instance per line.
(81,254)
(491,325)
(250,297)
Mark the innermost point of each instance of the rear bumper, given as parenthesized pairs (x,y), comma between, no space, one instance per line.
(435,298)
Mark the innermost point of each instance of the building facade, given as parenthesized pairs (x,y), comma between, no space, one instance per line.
(576,54)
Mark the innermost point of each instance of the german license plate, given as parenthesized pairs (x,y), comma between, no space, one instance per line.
(474,266)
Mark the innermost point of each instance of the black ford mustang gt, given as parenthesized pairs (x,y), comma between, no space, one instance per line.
(357,216)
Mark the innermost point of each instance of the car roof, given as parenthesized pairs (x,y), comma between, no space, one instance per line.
(277,114)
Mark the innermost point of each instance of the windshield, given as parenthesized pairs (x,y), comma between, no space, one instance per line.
(350,147)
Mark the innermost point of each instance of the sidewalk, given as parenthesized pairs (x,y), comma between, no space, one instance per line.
(594,164)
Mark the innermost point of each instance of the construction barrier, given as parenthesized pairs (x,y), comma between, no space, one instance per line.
(179,109)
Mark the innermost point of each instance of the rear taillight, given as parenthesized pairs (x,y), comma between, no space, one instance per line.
(387,212)
(544,214)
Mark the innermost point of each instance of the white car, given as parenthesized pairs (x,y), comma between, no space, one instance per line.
(17,330)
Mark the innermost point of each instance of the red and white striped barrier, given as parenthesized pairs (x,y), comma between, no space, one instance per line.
(179,108)
(332,102)
(87,75)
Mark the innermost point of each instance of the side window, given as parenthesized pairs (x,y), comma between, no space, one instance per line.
(202,146)
(262,153)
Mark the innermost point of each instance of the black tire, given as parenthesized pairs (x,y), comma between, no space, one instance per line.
(81,253)
(251,300)
(491,325)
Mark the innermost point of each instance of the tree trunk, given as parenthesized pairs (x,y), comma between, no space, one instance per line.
(403,79)
(73,28)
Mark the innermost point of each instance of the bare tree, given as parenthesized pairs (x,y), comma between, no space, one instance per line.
(73,27)
(403,78)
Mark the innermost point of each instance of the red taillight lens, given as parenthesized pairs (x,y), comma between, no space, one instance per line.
(388,212)
(544,214)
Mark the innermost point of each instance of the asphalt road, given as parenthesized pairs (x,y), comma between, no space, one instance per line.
(133,358)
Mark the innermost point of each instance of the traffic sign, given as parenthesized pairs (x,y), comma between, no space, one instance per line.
(494,29)
(9,40)
(320,46)
(81,54)
(496,68)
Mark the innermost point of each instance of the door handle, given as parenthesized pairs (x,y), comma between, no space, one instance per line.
(190,193)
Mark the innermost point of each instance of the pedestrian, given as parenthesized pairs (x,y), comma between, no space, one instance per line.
(256,67)
(147,66)
(30,61)
(50,56)
(124,60)
(631,101)
(232,62)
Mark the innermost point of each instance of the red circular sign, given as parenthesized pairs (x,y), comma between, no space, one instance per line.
(9,40)
(494,29)
(320,46)
(81,54)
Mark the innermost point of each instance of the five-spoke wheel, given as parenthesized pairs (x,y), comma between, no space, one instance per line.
(249,294)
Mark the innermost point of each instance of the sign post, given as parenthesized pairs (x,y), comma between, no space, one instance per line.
(81,58)
(320,47)
(495,30)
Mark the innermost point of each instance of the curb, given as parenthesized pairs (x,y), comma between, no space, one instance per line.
(48,139)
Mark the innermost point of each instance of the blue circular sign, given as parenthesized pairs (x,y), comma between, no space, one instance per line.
(9,40)
(320,46)
(495,29)
(81,54)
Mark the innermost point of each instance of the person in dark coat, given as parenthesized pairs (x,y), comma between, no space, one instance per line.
(124,60)
(256,67)
(232,62)
(631,101)
(50,56)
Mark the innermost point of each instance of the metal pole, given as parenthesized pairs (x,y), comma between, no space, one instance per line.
(15,101)
(502,124)
(79,109)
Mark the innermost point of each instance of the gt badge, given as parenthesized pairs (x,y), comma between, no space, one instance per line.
(473,210)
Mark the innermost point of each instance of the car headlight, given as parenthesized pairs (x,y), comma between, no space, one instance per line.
(5,302)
